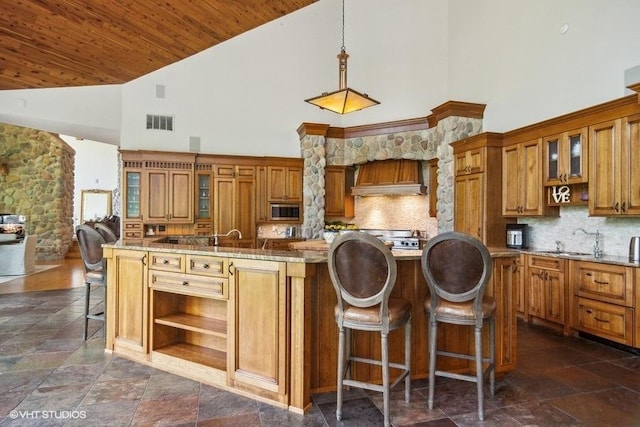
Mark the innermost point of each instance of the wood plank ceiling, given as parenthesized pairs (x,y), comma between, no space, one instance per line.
(62,43)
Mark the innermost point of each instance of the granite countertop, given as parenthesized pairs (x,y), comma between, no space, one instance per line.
(582,256)
(303,256)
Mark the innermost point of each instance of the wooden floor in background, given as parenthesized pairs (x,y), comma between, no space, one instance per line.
(69,274)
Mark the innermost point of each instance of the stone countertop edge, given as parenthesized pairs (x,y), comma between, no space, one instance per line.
(605,259)
(304,256)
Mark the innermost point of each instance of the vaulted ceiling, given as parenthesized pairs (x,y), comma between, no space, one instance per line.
(95,42)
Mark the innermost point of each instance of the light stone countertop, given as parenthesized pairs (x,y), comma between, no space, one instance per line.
(302,256)
(605,259)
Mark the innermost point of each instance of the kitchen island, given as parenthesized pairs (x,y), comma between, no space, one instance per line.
(260,322)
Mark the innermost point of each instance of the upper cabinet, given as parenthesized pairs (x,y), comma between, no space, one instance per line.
(614,182)
(338,199)
(169,196)
(565,157)
(234,195)
(522,189)
(284,183)
(433,187)
(477,194)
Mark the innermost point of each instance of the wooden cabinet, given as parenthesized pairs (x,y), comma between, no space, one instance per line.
(258,326)
(262,204)
(614,174)
(604,300)
(203,200)
(189,314)
(565,158)
(284,183)
(127,302)
(477,195)
(234,201)
(547,289)
(338,201)
(470,161)
(433,188)
(169,196)
(469,205)
(518,280)
(522,189)
(503,288)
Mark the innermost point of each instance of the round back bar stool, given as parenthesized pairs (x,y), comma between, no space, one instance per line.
(90,242)
(457,268)
(363,272)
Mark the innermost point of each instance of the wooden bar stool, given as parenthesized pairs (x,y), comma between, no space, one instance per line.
(457,268)
(363,272)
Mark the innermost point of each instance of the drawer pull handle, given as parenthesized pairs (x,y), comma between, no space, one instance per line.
(588,274)
(165,262)
(600,282)
(185,283)
(600,320)
(229,268)
(205,265)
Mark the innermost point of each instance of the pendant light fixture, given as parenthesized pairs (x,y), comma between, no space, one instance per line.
(344,100)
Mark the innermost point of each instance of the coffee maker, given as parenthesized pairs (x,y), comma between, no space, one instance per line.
(517,236)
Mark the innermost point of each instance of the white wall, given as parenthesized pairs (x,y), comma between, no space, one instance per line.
(96,168)
(246,95)
(512,56)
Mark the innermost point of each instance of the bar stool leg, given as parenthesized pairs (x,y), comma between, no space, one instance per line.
(87,295)
(341,361)
(407,360)
(385,378)
(492,354)
(433,335)
(479,372)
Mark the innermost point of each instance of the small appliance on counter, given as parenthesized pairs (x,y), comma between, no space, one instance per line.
(517,236)
(634,249)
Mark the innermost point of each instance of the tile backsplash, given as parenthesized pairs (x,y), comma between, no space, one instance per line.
(395,212)
(615,233)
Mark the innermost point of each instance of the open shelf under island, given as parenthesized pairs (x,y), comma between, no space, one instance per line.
(261,322)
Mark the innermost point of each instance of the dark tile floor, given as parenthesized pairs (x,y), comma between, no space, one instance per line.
(50,376)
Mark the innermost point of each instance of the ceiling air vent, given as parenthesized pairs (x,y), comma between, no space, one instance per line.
(155,121)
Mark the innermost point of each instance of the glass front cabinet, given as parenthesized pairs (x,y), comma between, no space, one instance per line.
(565,157)
(133,192)
(204,203)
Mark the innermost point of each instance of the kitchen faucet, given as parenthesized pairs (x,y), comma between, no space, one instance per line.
(216,236)
(597,253)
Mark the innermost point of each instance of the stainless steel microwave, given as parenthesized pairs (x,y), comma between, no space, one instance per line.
(284,212)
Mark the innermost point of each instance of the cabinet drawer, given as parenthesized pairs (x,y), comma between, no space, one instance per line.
(207,266)
(133,234)
(603,282)
(609,321)
(190,284)
(549,263)
(166,262)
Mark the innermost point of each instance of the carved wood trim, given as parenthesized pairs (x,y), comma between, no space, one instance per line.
(458,109)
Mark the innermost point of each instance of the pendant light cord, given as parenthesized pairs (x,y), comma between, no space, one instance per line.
(343,48)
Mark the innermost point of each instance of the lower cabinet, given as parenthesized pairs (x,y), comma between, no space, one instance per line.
(258,328)
(603,301)
(547,290)
(128,299)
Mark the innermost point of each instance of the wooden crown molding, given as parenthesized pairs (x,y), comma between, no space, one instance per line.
(636,88)
(449,108)
(458,109)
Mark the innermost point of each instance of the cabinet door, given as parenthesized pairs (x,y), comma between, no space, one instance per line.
(262,204)
(519,286)
(285,183)
(471,161)
(245,209)
(127,275)
(204,202)
(133,192)
(510,181)
(155,198)
(433,188)
(180,196)
(537,293)
(631,160)
(469,205)
(554,304)
(565,158)
(338,201)
(223,204)
(258,325)
(532,199)
(604,191)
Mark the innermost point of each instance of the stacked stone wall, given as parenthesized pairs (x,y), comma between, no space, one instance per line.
(39,185)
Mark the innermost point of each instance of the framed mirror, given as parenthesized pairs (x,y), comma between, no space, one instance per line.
(94,205)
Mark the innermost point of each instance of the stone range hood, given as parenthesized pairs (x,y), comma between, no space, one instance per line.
(390,178)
